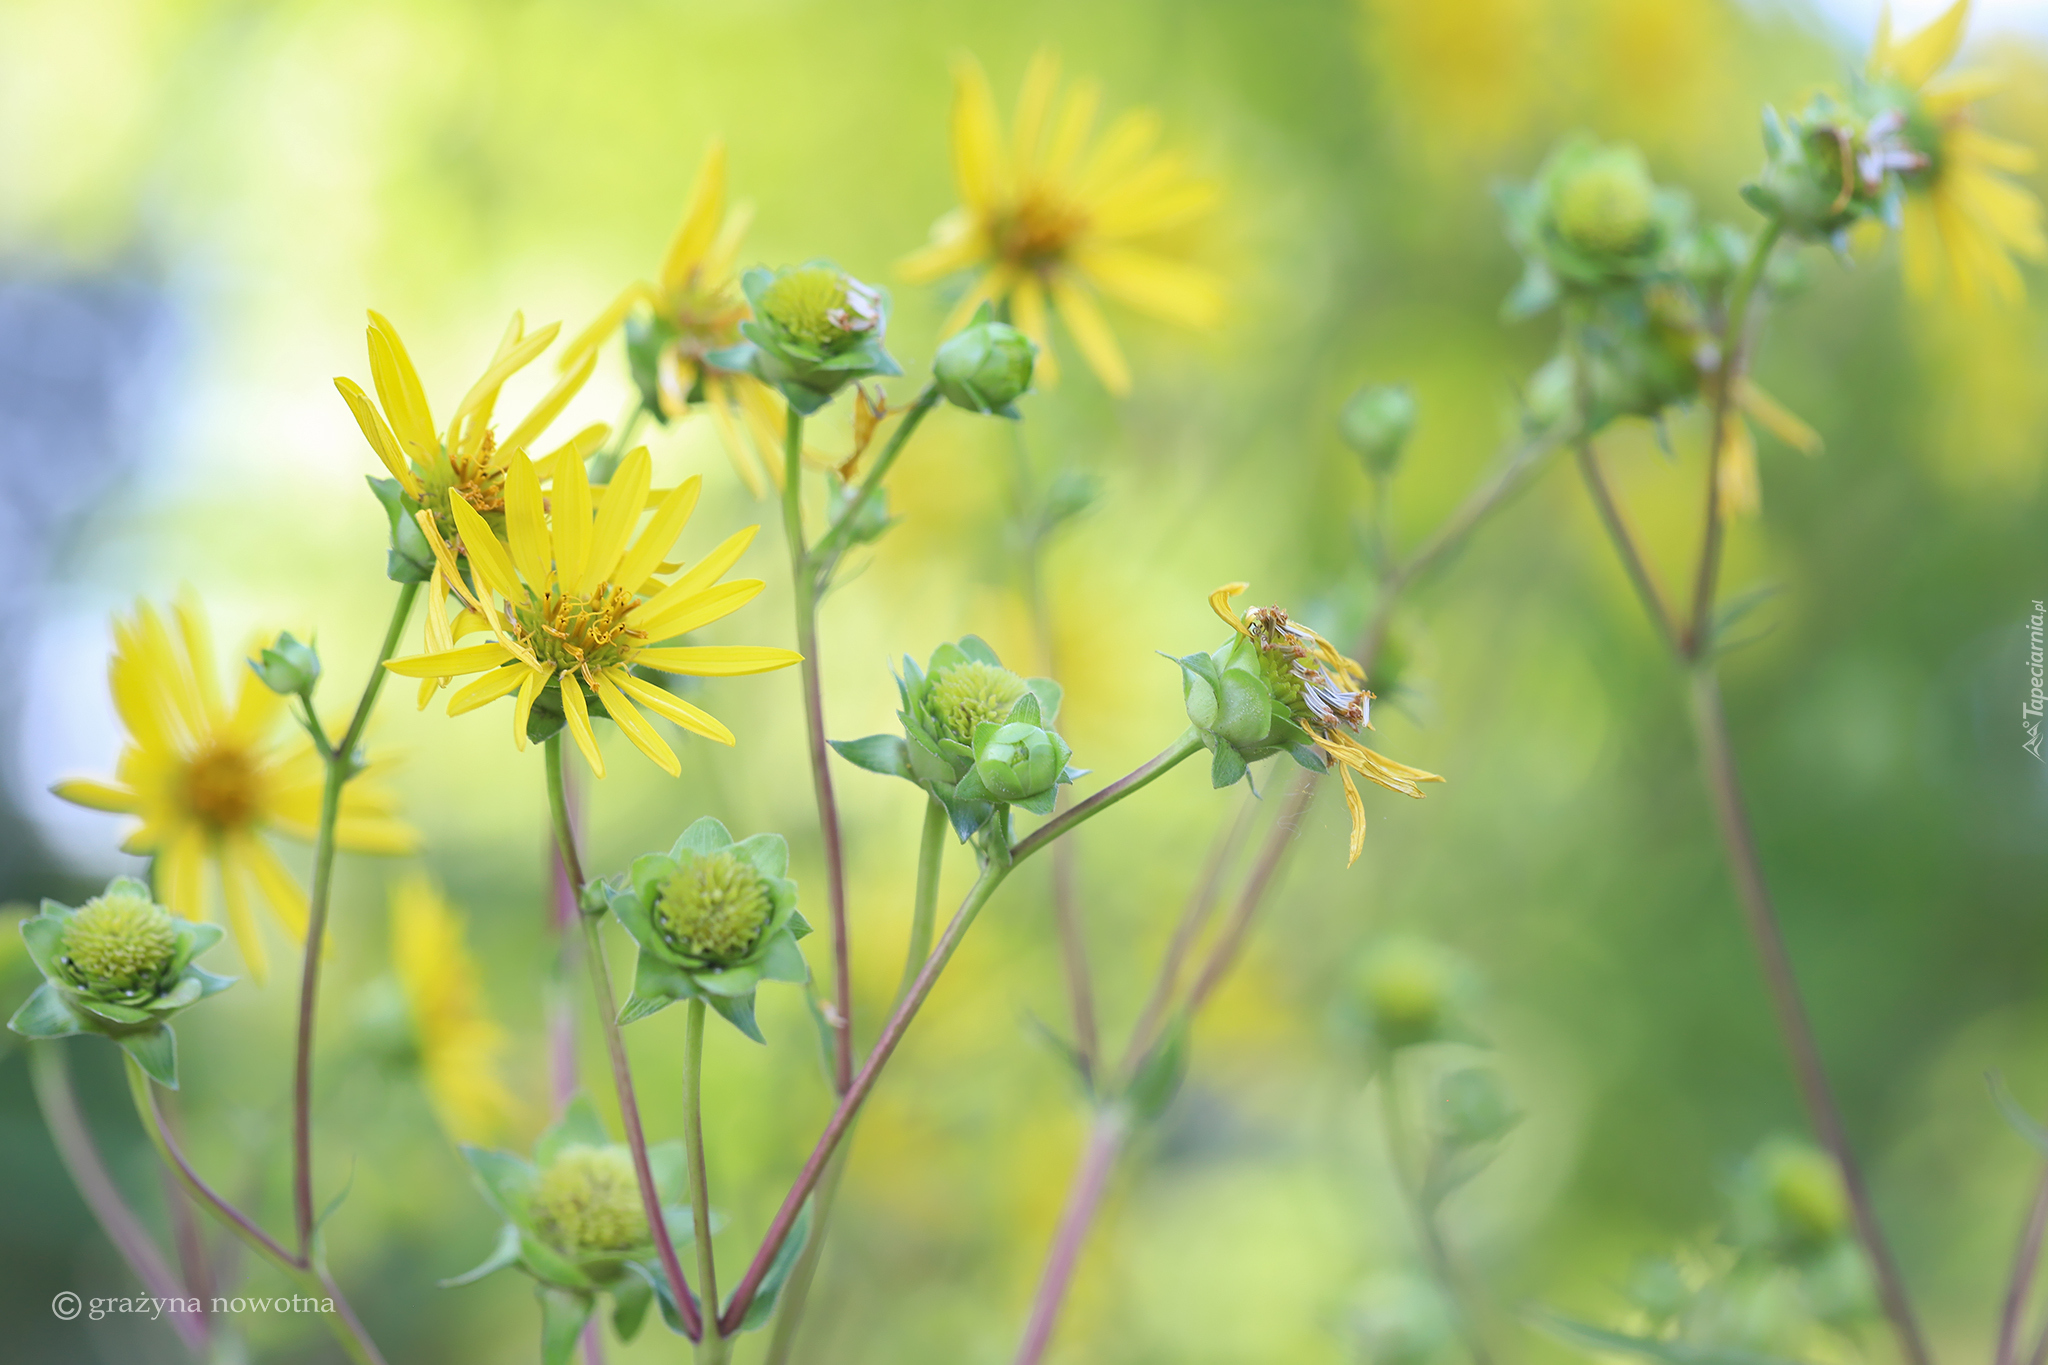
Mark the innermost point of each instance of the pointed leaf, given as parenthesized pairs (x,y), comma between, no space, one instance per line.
(631,1298)
(1228,766)
(505,1180)
(155,1050)
(1049,696)
(705,836)
(884,754)
(506,1253)
(1160,1074)
(45,1014)
(579,1126)
(763,1306)
(738,1010)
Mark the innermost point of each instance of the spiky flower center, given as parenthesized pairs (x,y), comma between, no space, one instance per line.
(477,478)
(585,634)
(713,906)
(1319,686)
(223,786)
(119,944)
(821,307)
(965,695)
(589,1200)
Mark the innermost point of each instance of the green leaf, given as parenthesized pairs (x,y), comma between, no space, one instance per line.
(579,1126)
(44,937)
(1160,1075)
(707,835)
(155,1050)
(666,1162)
(763,1306)
(336,1202)
(733,981)
(1025,710)
(656,986)
(769,853)
(1042,803)
(977,649)
(646,875)
(784,961)
(2022,1122)
(971,788)
(738,1010)
(1228,766)
(562,1315)
(45,1014)
(504,1179)
(1049,696)
(550,1266)
(631,1297)
(1601,1341)
(506,1253)
(884,754)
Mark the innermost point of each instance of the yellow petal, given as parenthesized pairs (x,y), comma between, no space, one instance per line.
(526,521)
(578,712)
(180,873)
(1092,335)
(483,395)
(1777,419)
(694,234)
(399,390)
(579,448)
(1120,152)
(957,243)
(1912,60)
(1356,807)
(706,571)
(276,883)
(1152,284)
(636,728)
(451,663)
(624,500)
(587,341)
(378,435)
(1027,310)
(529,688)
(1219,602)
(654,542)
(977,136)
(665,703)
(487,554)
(571,522)
(1164,199)
(550,407)
(1034,102)
(488,688)
(717,661)
(737,447)
(83,791)
(248,935)
(702,609)
(1070,130)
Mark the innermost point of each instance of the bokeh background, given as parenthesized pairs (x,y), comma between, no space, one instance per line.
(197,201)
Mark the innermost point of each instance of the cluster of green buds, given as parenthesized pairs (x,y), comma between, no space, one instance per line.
(713,919)
(1593,220)
(986,366)
(1633,355)
(576,1223)
(815,329)
(1411,992)
(120,966)
(975,736)
(1827,168)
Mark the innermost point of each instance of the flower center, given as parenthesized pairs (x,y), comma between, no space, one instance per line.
(221,787)
(1305,673)
(820,307)
(589,1200)
(478,479)
(712,907)
(967,694)
(581,634)
(705,320)
(1037,229)
(118,945)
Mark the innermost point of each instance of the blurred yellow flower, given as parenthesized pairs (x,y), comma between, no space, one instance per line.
(209,780)
(698,309)
(1049,222)
(573,608)
(460,1046)
(1961,211)
(1735,480)
(1326,693)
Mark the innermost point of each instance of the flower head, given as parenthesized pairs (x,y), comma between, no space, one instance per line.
(120,966)
(210,780)
(714,918)
(588,1199)
(1591,221)
(1278,686)
(461,1048)
(1048,221)
(815,330)
(574,609)
(1963,217)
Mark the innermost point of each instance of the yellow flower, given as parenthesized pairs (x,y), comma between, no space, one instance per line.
(1326,694)
(574,609)
(460,1046)
(1049,222)
(210,780)
(1961,211)
(695,295)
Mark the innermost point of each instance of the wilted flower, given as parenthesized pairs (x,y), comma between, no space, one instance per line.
(714,919)
(1277,686)
(575,610)
(1046,221)
(209,780)
(461,1048)
(120,966)
(576,1222)
(815,330)
(987,367)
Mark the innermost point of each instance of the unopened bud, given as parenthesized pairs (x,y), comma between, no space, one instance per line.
(1377,423)
(1018,761)
(987,367)
(288,668)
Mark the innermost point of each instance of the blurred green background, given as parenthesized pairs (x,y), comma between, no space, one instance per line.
(197,201)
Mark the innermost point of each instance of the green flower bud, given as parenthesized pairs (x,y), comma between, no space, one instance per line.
(1377,423)
(815,330)
(118,945)
(1411,992)
(1018,761)
(712,906)
(967,695)
(1604,202)
(288,667)
(1789,1197)
(987,367)
(1824,169)
(1241,712)
(1472,1107)
(588,1199)
(1593,219)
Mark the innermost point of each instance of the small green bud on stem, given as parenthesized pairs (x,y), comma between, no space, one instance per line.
(1377,423)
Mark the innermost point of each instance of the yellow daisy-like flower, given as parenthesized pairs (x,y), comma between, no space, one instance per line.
(1327,695)
(461,1047)
(696,300)
(1963,217)
(210,780)
(1050,222)
(574,609)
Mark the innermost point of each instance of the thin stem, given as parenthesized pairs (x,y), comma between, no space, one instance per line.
(924,911)
(1734,355)
(51,1074)
(2024,1261)
(564,914)
(341,766)
(832,545)
(1081,811)
(804,587)
(1428,1233)
(1625,542)
(1717,760)
(615,1047)
(1066,907)
(1201,904)
(711,1345)
(1084,1199)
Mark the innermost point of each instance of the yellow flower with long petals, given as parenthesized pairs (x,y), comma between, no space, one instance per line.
(574,609)
(1326,694)
(698,308)
(1050,221)
(461,1048)
(1963,217)
(210,780)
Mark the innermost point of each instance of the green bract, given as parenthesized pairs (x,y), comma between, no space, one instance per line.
(575,1222)
(714,919)
(814,331)
(963,688)
(1242,705)
(1592,220)
(986,367)
(120,966)
(1824,169)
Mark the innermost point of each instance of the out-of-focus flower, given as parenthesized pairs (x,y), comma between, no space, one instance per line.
(1963,217)
(1048,221)
(1413,991)
(695,308)
(1592,220)
(209,780)
(1825,170)
(1280,686)
(460,1046)
(574,609)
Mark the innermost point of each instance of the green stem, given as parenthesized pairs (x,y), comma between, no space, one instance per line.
(712,1346)
(1435,1250)
(615,1048)
(924,911)
(832,545)
(304,1272)
(341,766)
